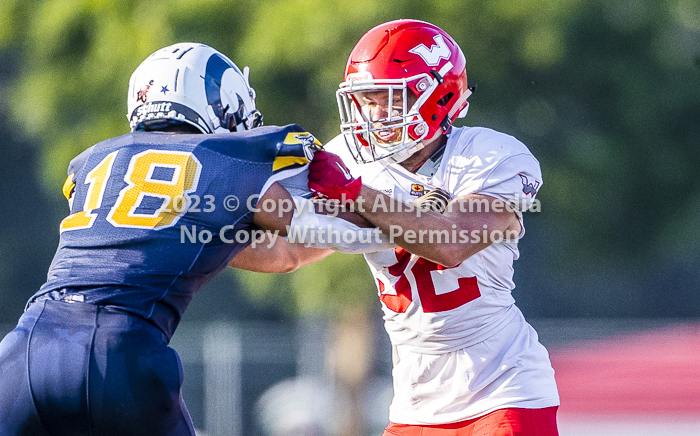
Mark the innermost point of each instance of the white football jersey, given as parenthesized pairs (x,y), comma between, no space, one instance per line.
(439,311)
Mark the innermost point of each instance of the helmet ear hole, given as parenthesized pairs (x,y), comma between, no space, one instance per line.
(445,99)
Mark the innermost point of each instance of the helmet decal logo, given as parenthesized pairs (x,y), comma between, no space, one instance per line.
(164,89)
(215,69)
(359,76)
(142,94)
(432,55)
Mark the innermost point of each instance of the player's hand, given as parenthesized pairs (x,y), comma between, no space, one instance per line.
(330,178)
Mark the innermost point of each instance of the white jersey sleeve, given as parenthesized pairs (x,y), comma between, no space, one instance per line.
(491,163)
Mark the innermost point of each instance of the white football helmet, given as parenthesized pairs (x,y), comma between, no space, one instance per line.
(194,84)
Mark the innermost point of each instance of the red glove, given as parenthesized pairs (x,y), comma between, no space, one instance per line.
(330,178)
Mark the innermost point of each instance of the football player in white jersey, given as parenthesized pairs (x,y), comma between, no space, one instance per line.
(465,360)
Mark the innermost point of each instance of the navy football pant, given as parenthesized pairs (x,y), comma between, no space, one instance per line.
(80,369)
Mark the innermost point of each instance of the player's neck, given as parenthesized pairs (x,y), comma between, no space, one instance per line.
(413,163)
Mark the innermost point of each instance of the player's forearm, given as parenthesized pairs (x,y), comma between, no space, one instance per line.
(408,229)
(275,255)
(447,239)
(277,209)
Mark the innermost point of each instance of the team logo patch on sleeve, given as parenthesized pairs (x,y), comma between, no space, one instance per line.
(308,141)
(296,150)
(529,188)
(417,189)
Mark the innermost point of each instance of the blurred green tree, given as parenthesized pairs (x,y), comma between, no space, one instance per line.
(605,93)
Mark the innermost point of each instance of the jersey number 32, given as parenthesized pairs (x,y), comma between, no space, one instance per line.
(467,291)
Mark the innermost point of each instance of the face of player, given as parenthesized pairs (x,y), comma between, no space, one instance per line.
(383,110)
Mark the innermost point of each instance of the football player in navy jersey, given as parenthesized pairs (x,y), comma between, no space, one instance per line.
(154,215)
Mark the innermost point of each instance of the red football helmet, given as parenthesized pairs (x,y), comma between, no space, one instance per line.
(421,73)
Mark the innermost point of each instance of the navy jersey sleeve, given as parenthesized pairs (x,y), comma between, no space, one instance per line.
(74,166)
(292,162)
(155,216)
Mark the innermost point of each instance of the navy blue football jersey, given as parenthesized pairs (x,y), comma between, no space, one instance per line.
(154,216)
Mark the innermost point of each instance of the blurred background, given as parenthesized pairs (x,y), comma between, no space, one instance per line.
(606,94)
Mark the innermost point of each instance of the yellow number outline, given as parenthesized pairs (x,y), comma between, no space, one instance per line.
(97,179)
(140,184)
